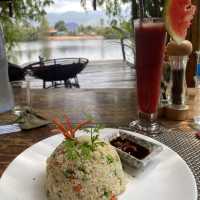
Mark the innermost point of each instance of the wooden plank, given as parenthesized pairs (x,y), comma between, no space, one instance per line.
(109,74)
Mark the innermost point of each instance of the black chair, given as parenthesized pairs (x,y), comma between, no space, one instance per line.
(15,72)
(58,70)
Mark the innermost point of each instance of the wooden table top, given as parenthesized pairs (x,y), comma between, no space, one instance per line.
(111,107)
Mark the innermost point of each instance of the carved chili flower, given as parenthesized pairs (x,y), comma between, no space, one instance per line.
(67,129)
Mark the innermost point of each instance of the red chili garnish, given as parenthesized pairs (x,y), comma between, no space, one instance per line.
(77,188)
(69,131)
(59,124)
(81,124)
(68,122)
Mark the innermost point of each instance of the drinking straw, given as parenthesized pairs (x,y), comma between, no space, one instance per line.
(141,9)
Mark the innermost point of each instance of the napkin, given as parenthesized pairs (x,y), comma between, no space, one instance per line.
(28,119)
(11,128)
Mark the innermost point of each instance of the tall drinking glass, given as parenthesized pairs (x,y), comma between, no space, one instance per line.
(150,42)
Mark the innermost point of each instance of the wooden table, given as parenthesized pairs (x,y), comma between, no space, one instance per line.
(112,107)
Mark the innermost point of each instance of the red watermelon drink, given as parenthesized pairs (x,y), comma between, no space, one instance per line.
(150,42)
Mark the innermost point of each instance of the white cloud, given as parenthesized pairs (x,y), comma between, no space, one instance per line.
(61,6)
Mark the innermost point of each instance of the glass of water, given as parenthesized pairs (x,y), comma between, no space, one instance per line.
(22,94)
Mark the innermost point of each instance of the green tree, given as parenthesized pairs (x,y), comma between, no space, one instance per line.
(81,29)
(43,28)
(60,26)
(113,7)
(23,10)
(152,8)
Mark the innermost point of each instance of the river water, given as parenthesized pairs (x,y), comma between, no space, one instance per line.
(98,49)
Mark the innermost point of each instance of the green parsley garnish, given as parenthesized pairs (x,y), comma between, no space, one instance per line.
(70,149)
(107,195)
(109,159)
(94,136)
(74,149)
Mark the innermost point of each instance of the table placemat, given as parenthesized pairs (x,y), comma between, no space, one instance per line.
(187,146)
(183,142)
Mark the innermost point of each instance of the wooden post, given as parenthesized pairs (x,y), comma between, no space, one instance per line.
(123,49)
(194,37)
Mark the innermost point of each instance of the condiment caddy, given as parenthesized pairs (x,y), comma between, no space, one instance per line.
(177,55)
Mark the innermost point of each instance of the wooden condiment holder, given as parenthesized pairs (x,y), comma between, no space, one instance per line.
(172,113)
(178,112)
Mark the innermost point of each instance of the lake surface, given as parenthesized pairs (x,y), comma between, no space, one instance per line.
(99,49)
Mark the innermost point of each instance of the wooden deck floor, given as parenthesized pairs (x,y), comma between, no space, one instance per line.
(102,74)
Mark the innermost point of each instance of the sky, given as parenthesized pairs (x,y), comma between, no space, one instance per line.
(61,6)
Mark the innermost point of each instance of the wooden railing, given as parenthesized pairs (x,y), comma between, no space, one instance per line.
(128,51)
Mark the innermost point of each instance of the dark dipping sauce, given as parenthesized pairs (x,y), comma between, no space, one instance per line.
(130,147)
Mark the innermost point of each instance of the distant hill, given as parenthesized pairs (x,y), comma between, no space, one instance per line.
(80,18)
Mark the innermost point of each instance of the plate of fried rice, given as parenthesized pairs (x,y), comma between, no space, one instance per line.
(86,168)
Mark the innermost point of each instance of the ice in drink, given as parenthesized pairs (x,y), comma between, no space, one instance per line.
(150,41)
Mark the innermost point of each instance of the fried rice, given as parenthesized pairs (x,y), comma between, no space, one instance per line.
(96,178)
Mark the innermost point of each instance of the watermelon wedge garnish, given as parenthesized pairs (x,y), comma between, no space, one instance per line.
(178,16)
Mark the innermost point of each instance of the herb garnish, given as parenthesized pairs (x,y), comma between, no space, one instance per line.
(109,159)
(75,149)
(70,148)
(94,136)
(106,194)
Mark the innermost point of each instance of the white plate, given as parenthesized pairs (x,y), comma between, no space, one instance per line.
(167,178)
